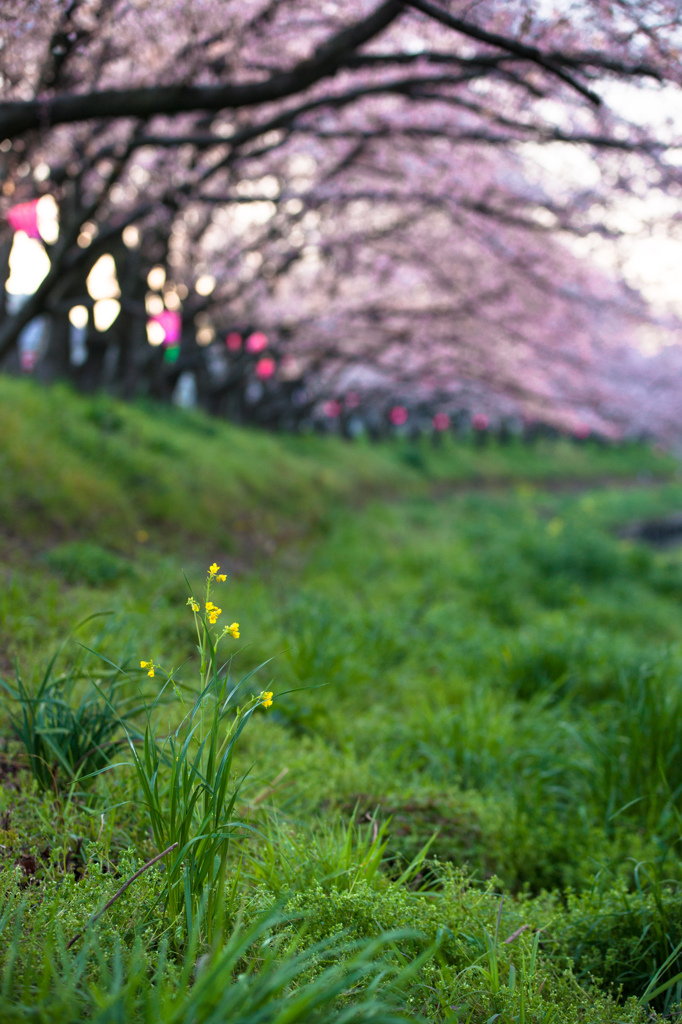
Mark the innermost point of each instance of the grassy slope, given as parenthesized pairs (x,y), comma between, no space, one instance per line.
(69,465)
(495,666)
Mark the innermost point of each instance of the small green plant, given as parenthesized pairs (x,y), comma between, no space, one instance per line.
(186,780)
(85,562)
(339,855)
(68,740)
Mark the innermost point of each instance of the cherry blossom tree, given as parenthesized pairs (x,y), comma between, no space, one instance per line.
(357,179)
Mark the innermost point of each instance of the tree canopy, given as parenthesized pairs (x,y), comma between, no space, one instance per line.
(362,177)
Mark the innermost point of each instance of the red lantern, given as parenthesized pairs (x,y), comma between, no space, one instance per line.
(233,341)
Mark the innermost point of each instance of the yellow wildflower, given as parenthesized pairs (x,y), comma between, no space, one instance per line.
(213,569)
(233,630)
(149,665)
(267,699)
(193,604)
(213,612)
(221,579)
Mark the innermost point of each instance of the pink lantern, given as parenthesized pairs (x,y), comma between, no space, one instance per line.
(28,360)
(441,421)
(398,415)
(24,217)
(332,408)
(256,342)
(480,421)
(233,341)
(265,368)
(171,323)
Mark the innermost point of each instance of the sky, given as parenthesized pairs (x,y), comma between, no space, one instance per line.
(649,253)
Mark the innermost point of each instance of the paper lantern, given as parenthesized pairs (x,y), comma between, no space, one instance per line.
(156,278)
(233,341)
(265,368)
(171,323)
(102,282)
(398,415)
(480,421)
(256,342)
(24,217)
(205,284)
(28,264)
(104,312)
(28,361)
(332,408)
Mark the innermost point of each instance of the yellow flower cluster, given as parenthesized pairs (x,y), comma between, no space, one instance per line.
(213,612)
(193,604)
(267,699)
(213,571)
(233,630)
(148,665)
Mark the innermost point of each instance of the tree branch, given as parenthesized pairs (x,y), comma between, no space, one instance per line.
(22,116)
(530,53)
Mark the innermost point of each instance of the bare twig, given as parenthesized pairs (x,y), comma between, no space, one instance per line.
(120,892)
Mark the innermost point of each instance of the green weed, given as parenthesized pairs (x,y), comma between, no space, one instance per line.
(82,562)
(67,741)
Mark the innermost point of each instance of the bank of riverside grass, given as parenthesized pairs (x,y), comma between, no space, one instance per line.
(506,674)
(193,816)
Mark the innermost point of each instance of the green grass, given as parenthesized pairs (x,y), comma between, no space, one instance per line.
(476,735)
(72,465)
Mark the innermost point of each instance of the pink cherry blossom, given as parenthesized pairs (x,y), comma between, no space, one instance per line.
(365,183)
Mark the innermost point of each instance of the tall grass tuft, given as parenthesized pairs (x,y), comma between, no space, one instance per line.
(186,780)
(258,975)
(68,741)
